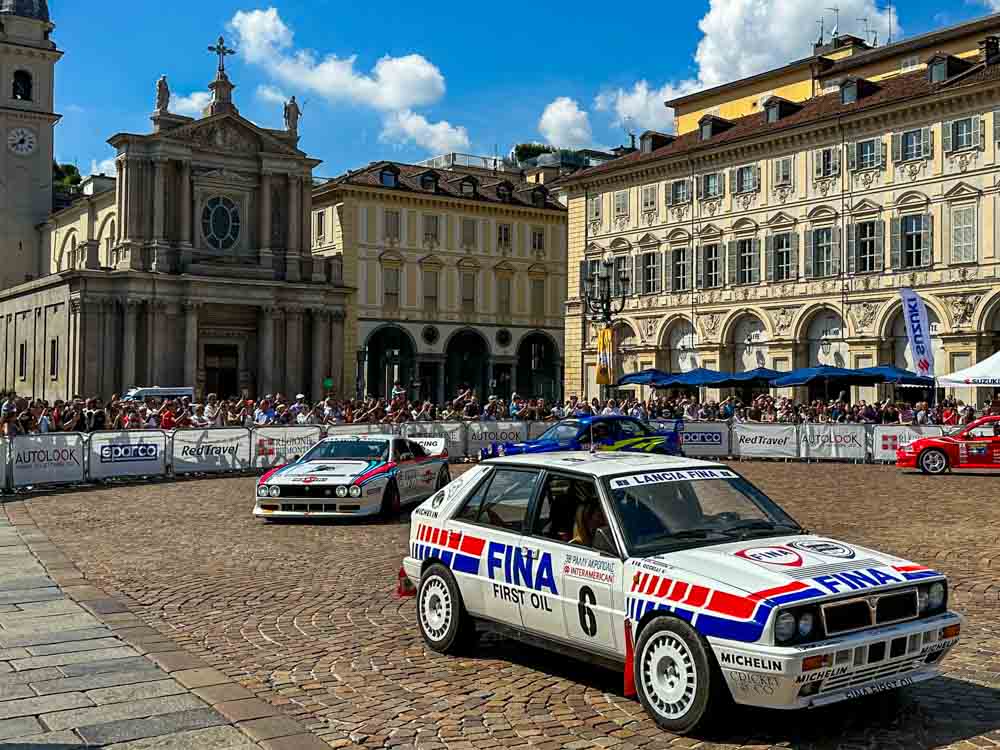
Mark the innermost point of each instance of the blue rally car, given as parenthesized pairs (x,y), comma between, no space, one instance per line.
(599,433)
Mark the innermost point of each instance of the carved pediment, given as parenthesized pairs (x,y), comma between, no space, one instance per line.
(780,218)
(963,190)
(229,133)
(865,206)
(227,176)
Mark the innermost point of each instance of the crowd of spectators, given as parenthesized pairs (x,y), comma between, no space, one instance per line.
(23,416)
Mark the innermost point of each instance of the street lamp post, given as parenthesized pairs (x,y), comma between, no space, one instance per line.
(603,298)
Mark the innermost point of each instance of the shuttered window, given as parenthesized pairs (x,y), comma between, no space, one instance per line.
(468,232)
(681,269)
(503,295)
(713,266)
(913,241)
(783,265)
(430,290)
(538,298)
(468,291)
(390,285)
(392,225)
(747,260)
(963,234)
(823,252)
(912,145)
(650,273)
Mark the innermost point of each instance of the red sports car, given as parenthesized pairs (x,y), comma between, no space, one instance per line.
(977,446)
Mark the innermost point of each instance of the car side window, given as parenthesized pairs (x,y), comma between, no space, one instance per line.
(570,512)
(502,500)
(629,429)
(400,449)
(417,449)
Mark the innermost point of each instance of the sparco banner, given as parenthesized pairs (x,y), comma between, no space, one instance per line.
(705,439)
(766,440)
(223,449)
(483,434)
(833,441)
(138,453)
(887,439)
(273,446)
(452,432)
(48,459)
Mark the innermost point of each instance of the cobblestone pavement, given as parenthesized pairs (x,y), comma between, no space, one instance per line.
(305,616)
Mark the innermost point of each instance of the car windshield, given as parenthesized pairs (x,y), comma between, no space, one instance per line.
(357,450)
(662,511)
(562,432)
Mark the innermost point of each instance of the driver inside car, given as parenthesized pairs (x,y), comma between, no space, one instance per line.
(589,516)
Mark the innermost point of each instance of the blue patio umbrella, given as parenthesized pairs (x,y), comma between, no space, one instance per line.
(823,373)
(762,376)
(898,376)
(646,377)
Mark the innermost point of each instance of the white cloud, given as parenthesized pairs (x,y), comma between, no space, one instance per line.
(993,5)
(741,38)
(394,86)
(192,104)
(439,137)
(105,167)
(271,94)
(565,125)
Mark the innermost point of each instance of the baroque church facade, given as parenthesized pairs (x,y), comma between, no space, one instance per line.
(192,266)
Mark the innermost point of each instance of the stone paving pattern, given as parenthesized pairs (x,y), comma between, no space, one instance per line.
(304,617)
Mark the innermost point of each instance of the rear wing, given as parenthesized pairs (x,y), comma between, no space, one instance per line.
(433,446)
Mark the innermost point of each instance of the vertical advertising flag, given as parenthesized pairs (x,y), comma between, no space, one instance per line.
(605,351)
(918,331)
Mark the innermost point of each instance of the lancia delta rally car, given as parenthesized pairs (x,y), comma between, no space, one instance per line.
(610,433)
(680,573)
(354,475)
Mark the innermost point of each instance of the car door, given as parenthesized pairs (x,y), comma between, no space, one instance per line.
(489,555)
(426,470)
(407,471)
(576,593)
(980,447)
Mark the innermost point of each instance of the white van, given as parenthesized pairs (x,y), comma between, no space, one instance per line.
(161,394)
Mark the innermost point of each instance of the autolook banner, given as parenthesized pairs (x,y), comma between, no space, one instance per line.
(52,458)
(833,441)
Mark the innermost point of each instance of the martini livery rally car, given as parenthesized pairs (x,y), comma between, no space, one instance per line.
(354,475)
(977,446)
(599,433)
(680,573)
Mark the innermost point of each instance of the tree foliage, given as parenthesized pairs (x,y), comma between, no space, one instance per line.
(66,175)
(525,151)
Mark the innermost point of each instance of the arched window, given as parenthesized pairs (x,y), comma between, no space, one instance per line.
(22,86)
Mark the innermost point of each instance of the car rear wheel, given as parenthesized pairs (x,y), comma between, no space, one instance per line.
(933,461)
(390,502)
(443,478)
(674,675)
(444,624)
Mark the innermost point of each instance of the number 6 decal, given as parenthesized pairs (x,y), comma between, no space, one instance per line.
(588,621)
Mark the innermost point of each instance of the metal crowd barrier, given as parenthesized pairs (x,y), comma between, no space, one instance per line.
(72,458)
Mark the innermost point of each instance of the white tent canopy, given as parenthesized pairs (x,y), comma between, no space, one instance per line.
(985,374)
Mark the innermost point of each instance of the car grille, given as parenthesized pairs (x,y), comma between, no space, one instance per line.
(319,508)
(307,492)
(850,615)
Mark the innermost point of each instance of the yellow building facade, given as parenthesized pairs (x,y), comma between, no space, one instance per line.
(781,238)
(459,279)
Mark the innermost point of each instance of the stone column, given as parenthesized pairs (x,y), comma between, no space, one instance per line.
(338,356)
(159,198)
(184,201)
(119,200)
(320,338)
(440,383)
(130,308)
(293,351)
(307,206)
(154,336)
(191,342)
(265,208)
(73,374)
(265,351)
(293,264)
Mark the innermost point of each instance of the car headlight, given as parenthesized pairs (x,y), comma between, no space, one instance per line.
(274,490)
(936,596)
(342,491)
(261,490)
(784,626)
(355,491)
(806,623)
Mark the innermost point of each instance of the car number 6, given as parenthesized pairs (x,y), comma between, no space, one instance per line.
(588,620)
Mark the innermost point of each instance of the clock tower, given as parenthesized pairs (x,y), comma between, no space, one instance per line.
(27,67)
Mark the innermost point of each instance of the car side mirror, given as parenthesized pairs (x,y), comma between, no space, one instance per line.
(405,456)
(603,542)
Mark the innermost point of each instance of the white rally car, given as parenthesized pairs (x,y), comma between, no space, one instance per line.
(678,572)
(354,475)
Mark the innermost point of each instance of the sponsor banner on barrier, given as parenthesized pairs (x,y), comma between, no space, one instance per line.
(137,453)
(273,446)
(364,429)
(4,450)
(52,458)
(887,439)
(705,439)
(452,432)
(221,449)
(765,440)
(483,434)
(833,441)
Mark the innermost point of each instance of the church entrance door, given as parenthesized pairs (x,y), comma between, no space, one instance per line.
(222,369)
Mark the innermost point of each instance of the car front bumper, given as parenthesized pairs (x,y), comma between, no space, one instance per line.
(347,507)
(856,665)
(906,460)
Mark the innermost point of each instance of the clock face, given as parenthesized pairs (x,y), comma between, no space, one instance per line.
(22,141)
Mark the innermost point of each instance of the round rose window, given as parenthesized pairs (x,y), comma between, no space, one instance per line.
(220,223)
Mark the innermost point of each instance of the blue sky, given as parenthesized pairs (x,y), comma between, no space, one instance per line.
(406,80)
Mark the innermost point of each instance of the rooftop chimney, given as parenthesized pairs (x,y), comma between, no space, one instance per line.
(989,48)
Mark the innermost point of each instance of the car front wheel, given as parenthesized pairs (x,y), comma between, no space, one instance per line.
(933,461)
(444,624)
(443,478)
(674,675)
(390,502)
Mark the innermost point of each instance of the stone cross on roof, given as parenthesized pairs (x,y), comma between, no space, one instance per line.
(221,50)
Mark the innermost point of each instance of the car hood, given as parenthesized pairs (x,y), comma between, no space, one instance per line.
(310,472)
(805,566)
